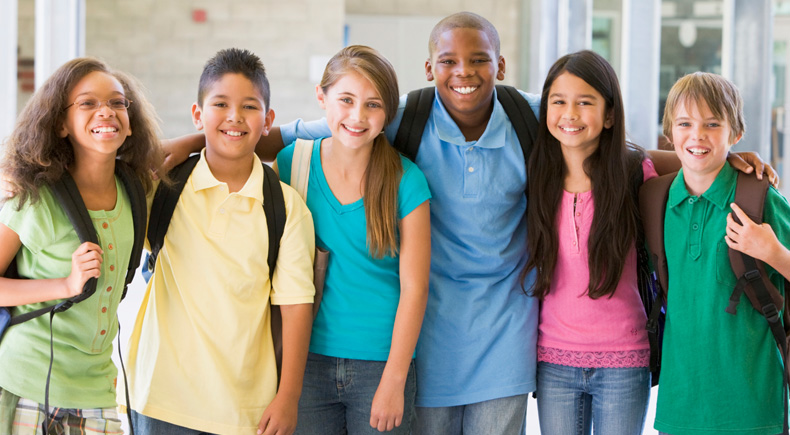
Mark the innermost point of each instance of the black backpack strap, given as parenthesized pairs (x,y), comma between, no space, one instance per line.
(274,209)
(136,192)
(521,116)
(164,204)
(412,124)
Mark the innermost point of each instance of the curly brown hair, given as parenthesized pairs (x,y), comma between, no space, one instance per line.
(35,154)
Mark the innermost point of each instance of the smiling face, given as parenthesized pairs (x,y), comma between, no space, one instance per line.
(701,141)
(354,110)
(465,66)
(576,114)
(99,131)
(233,117)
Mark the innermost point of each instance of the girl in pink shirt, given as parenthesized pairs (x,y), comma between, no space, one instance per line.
(593,352)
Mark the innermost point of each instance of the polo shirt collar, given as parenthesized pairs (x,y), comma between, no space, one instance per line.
(718,193)
(493,137)
(202,179)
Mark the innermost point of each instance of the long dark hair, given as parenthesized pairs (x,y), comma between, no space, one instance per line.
(610,168)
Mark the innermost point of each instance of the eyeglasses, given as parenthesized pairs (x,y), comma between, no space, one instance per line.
(119,103)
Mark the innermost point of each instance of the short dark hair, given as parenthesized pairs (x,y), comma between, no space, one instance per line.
(234,61)
(463,20)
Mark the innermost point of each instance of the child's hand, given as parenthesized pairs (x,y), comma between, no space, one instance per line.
(279,417)
(386,412)
(754,240)
(748,162)
(85,264)
(9,189)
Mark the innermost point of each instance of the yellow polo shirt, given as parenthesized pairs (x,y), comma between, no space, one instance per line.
(201,353)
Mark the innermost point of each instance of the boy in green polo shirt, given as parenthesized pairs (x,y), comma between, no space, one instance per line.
(720,372)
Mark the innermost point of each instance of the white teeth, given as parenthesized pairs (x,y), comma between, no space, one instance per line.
(572,129)
(234,133)
(698,152)
(465,90)
(104,130)
(354,130)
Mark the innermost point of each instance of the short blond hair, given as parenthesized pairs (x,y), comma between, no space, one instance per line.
(720,94)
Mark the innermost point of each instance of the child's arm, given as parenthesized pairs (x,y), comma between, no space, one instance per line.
(85,264)
(758,241)
(667,162)
(177,150)
(280,416)
(386,412)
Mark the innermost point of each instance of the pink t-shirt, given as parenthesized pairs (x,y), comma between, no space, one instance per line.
(576,330)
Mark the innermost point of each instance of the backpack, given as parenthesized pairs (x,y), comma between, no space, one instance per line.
(750,195)
(418,108)
(68,197)
(164,204)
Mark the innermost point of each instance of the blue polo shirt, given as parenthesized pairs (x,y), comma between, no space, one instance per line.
(479,335)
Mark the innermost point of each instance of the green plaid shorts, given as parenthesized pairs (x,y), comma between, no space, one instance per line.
(20,416)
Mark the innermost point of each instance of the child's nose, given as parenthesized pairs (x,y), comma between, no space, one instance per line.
(234,115)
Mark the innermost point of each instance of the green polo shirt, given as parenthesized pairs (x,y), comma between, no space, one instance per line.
(83,374)
(721,373)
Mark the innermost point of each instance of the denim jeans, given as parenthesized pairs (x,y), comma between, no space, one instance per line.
(144,425)
(504,416)
(572,400)
(337,395)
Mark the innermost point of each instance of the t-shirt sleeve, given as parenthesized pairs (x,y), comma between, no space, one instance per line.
(292,282)
(413,189)
(34,222)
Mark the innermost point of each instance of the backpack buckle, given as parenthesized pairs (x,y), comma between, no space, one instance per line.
(771,313)
(752,275)
(651,326)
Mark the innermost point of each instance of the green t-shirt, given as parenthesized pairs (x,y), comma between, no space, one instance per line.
(83,374)
(721,373)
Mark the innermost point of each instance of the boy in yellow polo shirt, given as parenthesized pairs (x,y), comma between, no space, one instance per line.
(201,357)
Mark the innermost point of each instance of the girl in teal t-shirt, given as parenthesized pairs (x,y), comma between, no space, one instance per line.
(83,118)
(370,208)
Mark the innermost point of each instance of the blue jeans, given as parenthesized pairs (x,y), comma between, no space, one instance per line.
(572,400)
(337,395)
(144,425)
(504,416)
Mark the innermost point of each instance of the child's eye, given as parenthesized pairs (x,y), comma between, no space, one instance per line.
(558,102)
(684,124)
(219,104)
(374,105)
(87,104)
(714,125)
(346,100)
(251,107)
(481,60)
(447,62)
(585,103)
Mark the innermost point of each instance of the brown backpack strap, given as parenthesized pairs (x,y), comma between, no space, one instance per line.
(652,207)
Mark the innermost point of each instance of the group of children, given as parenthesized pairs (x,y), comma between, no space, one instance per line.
(511,287)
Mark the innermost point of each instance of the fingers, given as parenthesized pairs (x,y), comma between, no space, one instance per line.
(740,214)
(85,264)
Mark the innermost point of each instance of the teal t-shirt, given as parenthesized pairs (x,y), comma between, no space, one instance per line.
(361,293)
(83,374)
(721,373)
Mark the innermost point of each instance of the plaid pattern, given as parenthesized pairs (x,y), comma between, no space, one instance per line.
(20,416)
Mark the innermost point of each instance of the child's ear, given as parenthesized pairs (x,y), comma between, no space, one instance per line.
(319,94)
(268,122)
(737,139)
(428,70)
(63,132)
(609,121)
(500,73)
(197,113)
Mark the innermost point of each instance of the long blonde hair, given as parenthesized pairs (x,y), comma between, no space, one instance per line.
(35,154)
(384,170)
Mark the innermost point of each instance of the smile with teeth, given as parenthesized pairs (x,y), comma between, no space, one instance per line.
(698,151)
(354,130)
(104,130)
(465,90)
(234,133)
(571,129)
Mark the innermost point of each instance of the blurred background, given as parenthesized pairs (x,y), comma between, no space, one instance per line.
(650,43)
